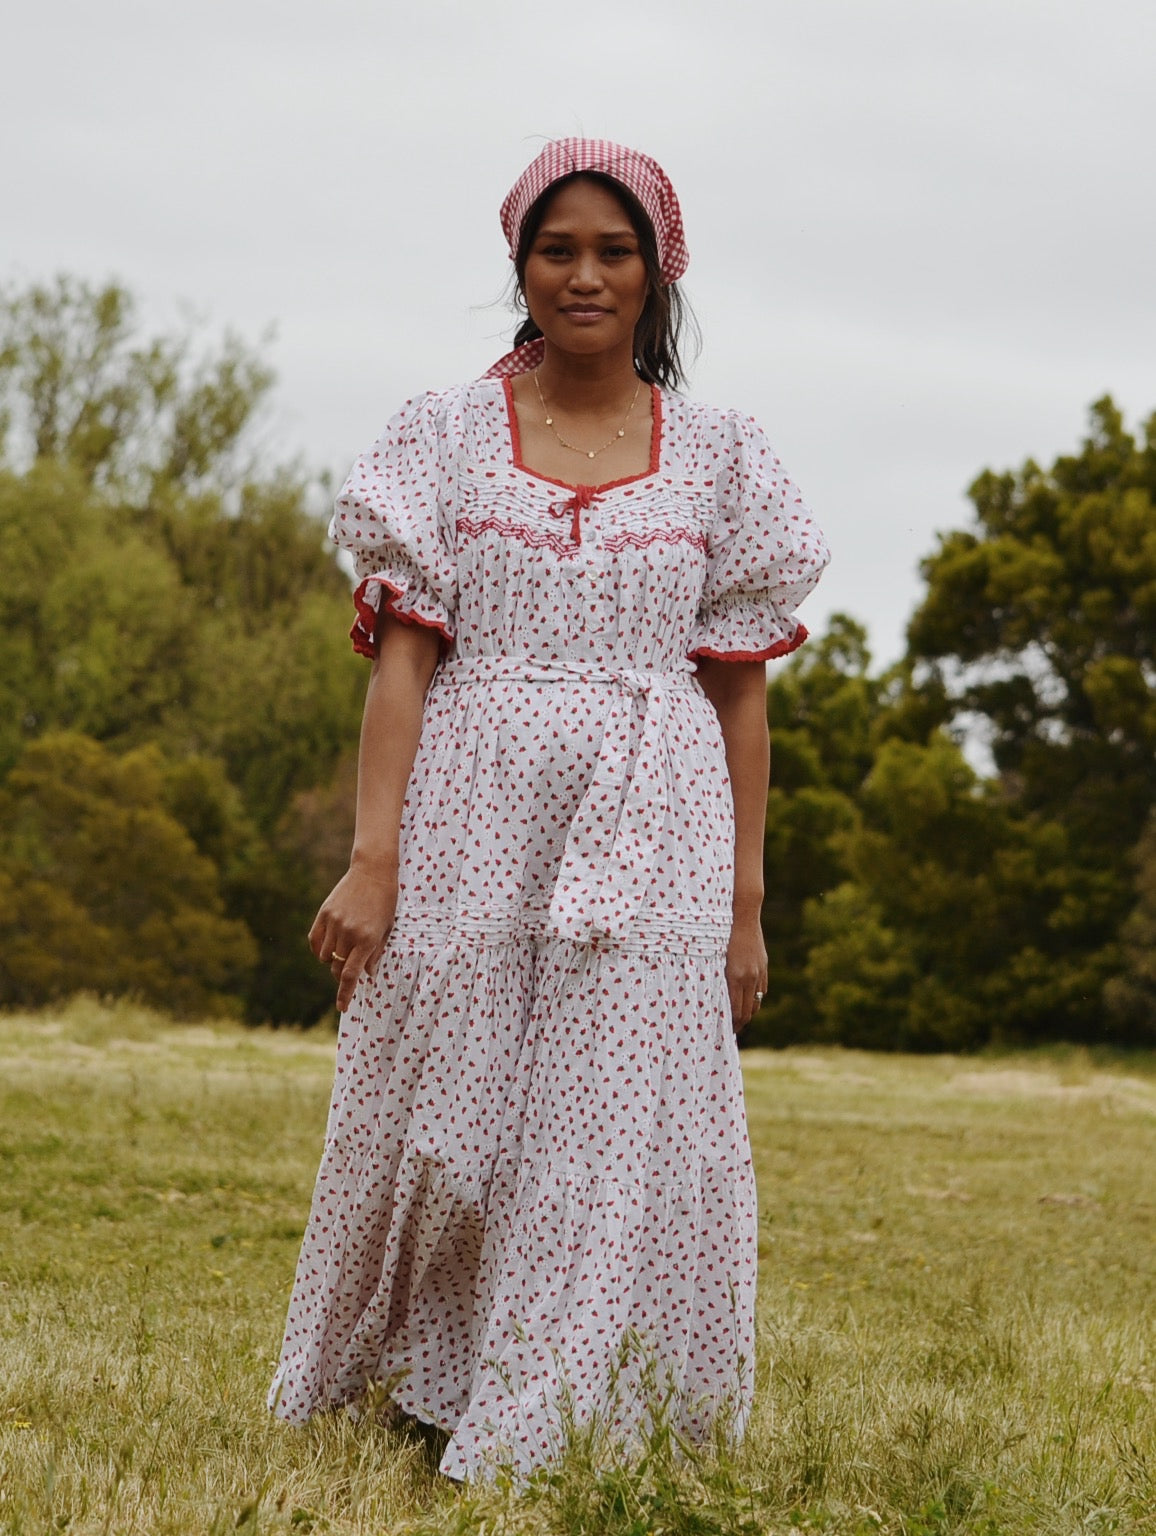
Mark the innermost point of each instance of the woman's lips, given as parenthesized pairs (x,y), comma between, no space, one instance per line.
(585,316)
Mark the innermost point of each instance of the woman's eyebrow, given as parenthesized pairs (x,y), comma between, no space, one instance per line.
(603,234)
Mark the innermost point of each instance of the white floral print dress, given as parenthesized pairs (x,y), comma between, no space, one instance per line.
(536,1173)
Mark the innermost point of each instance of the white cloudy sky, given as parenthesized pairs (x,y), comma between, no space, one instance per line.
(922,231)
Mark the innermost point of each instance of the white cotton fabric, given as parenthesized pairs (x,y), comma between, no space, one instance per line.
(536,1148)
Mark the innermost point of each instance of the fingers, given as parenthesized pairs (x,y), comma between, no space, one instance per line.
(348,960)
(350,932)
(319,938)
(746,970)
(746,995)
(347,973)
(329,946)
(329,939)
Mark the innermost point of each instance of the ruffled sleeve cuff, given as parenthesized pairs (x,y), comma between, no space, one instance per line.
(400,593)
(745,626)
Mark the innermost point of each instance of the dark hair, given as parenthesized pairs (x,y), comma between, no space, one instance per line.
(665,315)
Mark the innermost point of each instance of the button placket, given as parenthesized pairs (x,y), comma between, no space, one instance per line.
(582,566)
(593,585)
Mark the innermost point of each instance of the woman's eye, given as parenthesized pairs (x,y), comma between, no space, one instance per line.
(617,252)
(555,250)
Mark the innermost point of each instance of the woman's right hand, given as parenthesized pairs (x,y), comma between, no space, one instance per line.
(350,931)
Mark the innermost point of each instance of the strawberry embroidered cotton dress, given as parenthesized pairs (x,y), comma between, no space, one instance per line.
(536,1184)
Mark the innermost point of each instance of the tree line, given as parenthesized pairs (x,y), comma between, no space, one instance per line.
(179,709)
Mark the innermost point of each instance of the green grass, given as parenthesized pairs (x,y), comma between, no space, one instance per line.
(957,1315)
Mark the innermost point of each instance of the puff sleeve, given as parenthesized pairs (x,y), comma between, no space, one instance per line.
(764,555)
(393,516)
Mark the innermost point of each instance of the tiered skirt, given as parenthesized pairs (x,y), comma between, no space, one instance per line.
(535,1207)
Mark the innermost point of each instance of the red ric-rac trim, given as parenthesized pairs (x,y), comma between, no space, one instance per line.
(590,490)
(364,631)
(780,648)
(533,538)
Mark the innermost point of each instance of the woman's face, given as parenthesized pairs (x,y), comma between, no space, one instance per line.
(585,281)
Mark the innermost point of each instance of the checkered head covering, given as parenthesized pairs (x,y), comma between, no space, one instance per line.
(637,172)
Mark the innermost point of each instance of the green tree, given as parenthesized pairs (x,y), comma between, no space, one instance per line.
(80,387)
(160,585)
(1131,994)
(1041,622)
(96,625)
(821,711)
(279,893)
(103,889)
(952,927)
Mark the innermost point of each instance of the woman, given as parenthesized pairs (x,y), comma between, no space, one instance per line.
(536,1190)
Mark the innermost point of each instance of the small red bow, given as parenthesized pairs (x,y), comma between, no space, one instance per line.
(582,498)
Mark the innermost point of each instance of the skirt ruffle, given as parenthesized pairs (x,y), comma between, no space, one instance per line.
(536,1156)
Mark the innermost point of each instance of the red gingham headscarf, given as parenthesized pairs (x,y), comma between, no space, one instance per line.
(637,172)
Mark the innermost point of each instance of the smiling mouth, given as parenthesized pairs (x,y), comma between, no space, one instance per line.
(584,311)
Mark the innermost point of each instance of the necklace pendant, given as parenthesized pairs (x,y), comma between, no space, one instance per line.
(591,453)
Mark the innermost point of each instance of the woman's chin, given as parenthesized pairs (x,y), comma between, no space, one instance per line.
(586,341)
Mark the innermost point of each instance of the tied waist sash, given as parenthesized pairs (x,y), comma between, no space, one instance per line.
(613,841)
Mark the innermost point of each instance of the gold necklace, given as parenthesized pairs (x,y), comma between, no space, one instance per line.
(591,453)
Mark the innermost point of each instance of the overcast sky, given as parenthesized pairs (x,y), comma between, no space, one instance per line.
(922,232)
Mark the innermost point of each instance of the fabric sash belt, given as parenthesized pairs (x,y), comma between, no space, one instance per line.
(612,846)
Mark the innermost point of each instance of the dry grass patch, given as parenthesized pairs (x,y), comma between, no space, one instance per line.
(957,1307)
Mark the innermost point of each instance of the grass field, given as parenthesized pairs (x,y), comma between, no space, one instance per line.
(957,1318)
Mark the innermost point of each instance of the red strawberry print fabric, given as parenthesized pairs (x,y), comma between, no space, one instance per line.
(536,1153)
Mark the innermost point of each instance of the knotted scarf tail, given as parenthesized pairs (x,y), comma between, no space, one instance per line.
(523,359)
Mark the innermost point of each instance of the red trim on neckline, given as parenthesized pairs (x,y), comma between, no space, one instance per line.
(594,490)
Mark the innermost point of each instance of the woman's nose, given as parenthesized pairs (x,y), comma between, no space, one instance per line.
(586,273)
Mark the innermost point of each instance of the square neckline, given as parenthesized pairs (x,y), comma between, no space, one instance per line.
(656,426)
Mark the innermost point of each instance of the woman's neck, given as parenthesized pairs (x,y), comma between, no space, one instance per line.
(587,385)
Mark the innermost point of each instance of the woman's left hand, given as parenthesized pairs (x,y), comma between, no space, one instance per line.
(746,969)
